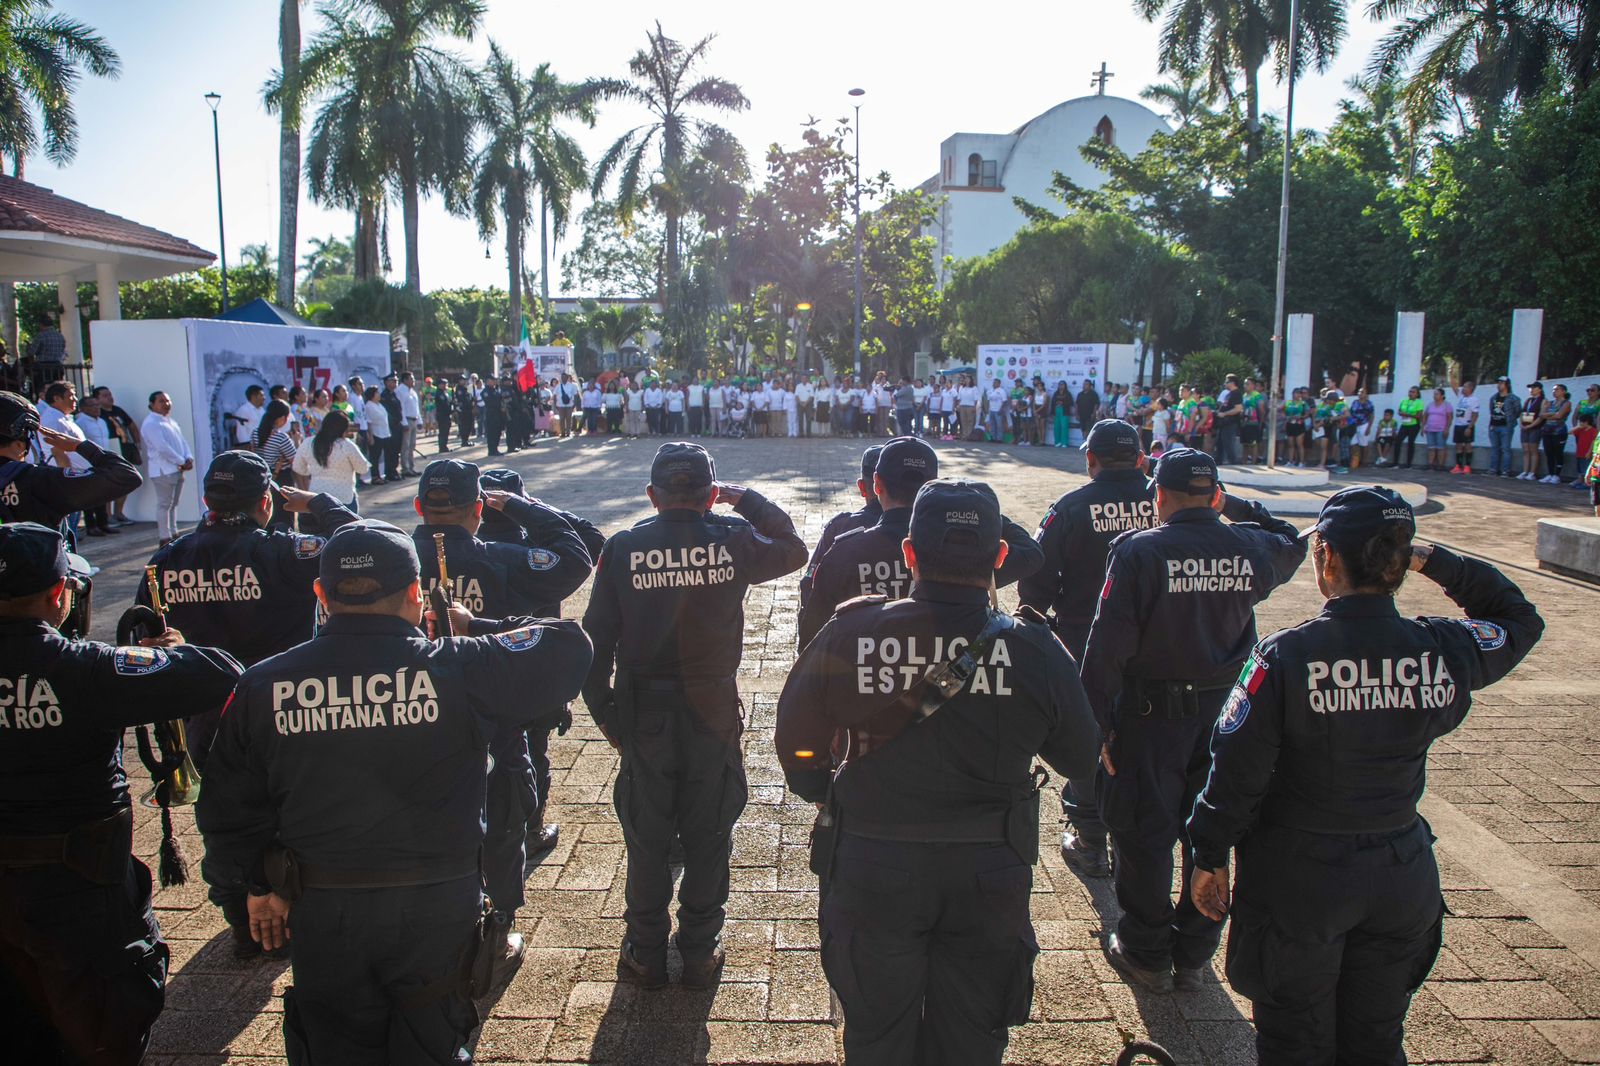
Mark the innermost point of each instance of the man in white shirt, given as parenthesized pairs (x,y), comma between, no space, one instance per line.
(696,401)
(791,411)
(167,458)
(805,395)
(1468,406)
(967,406)
(994,419)
(716,402)
(760,401)
(920,392)
(566,400)
(55,413)
(654,397)
(869,409)
(247,416)
(410,422)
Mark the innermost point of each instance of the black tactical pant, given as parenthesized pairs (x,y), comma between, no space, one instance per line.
(1078,795)
(930,948)
(511,800)
(367,970)
(1161,765)
(1331,935)
(682,776)
(539,752)
(492,428)
(83,967)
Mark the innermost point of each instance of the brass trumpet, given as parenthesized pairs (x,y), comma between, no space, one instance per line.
(177,782)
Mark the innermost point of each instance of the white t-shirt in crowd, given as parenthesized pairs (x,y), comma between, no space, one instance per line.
(716,397)
(249,416)
(165,449)
(697,395)
(338,477)
(653,397)
(675,401)
(1466,408)
(997,399)
(967,395)
(377,420)
(804,392)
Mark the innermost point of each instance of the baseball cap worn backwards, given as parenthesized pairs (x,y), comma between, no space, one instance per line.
(1187,470)
(236,479)
(1354,516)
(368,549)
(682,467)
(448,483)
(1113,438)
(32,559)
(949,513)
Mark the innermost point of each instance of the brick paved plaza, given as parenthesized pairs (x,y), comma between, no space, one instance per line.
(1514,797)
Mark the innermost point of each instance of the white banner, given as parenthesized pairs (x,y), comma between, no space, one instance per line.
(1072,363)
(225,358)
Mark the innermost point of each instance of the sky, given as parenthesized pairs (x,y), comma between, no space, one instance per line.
(146,141)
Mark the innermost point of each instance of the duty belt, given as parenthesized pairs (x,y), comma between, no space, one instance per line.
(398,877)
(1173,698)
(97,850)
(675,684)
(988,828)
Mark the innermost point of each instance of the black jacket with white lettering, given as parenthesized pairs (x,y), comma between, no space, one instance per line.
(1329,727)
(680,613)
(47,494)
(871,562)
(242,588)
(367,747)
(500,579)
(1024,701)
(1075,536)
(1176,604)
(63,707)
(832,530)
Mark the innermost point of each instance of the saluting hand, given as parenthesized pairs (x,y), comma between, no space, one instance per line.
(728,494)
(296,501)
(1210,891)
(498,499)
(1419,555)
(61,442)
(269,920)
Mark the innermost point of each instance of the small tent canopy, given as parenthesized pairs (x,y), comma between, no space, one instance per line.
(263,313)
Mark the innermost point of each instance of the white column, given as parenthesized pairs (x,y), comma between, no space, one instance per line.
(1407,368)
(105,279)
(71,325)
(1527,325)
(1297,358)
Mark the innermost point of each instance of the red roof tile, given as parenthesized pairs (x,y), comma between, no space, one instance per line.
(30,208)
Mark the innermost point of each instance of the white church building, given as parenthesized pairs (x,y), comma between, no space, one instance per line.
(980,173)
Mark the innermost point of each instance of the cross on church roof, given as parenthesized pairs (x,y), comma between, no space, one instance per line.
(1099,79)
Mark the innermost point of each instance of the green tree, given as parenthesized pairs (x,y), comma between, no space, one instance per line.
(656,163)
(328,258)
(42,56)
(1185,98)
(526,153)
(1207,370)
(613,259)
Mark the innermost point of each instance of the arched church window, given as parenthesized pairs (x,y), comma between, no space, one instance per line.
(974,169)
(1105,132)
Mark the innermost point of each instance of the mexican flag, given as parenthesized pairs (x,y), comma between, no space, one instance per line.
(1254,672)
(527,373)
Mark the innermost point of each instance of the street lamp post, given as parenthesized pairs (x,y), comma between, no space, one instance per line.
(858,94)
(1283,243)
(215,99)
(801,362)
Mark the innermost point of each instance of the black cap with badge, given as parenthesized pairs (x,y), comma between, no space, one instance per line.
(869,462)
(236,480)
(32,559)
(18,417)
(502,479)
(682,467)
(962,516)
(1187,470)
(448,483)
(371,550)
(1114,439)
(1354,516)
(905,464)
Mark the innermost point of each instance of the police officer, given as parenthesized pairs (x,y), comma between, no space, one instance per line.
(494,416)
(667,609)
(345,793)
(500,581)
(867,514)
(82,962)
(926,936)
(30,492)
(869,561)
(1319,760)
(1176,619)
(1075,535)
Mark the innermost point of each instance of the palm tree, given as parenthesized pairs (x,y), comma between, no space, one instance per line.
(343,170)
(614,325)
(330,257)
(288,153)
(1485,51)
(408,102)
(1185,98)
(42,56)
(526,154)
(1219,40)
(665,82)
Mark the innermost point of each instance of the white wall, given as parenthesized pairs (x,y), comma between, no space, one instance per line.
(1575,386)
(135,359)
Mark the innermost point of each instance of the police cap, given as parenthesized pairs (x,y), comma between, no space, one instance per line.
(1112,438)
(906,463)
(448,483)
(869,462)
(32,558)
(18,417)
(1187,470)
(502,479)
(956,515)
(1354,516)
(236,480)
(368,549)
(682,467)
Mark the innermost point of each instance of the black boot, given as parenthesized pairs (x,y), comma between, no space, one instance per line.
(511,955)
(542,835)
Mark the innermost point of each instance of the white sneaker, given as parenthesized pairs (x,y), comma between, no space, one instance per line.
(1525,476)
(1550,479)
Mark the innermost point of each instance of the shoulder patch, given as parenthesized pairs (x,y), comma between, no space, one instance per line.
(1044,524)
(1488,635)
(308,547)
(519,639)
(763,539)
(542,559)
(136,661)
(75,472)
(1235,711)
(859,602)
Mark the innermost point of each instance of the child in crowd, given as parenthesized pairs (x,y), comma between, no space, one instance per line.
(1388,433)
